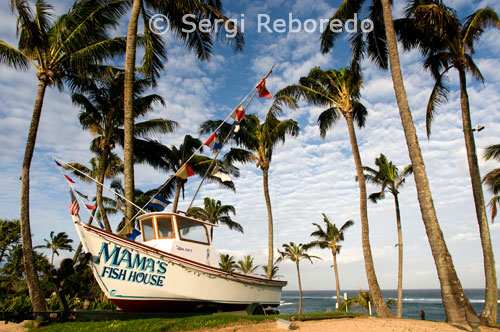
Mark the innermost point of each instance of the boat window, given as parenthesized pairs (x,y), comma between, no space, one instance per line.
(148,232)
(165,229)
(191,231)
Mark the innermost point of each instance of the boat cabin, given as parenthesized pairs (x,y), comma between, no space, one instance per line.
(179,235)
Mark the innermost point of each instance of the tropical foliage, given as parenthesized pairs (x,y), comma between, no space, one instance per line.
(215,213)
(57,242)
(388,177)
(492,179)
(227,262)
(256,142)
(246,265)
(295,253)
(448,43)
(329,238)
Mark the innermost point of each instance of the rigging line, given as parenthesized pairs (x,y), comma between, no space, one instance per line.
(73,188)
(91,178)
(201,146)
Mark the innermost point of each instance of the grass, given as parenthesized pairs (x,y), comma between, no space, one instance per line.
(173,324)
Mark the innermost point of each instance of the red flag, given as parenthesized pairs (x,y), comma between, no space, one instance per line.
(90,207)
(58,164)
(74,208)
(68,178)
(185,172)
(261,87)
(238,114)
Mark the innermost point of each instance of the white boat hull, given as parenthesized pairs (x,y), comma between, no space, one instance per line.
(140,278)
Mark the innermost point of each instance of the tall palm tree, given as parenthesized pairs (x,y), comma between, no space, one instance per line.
(330,237)
(259,140)
(456,304)
(61,241)
(56,47)
(295,253)
(448,43)
(216,213)
(450,284)
(339,90)
(155,56)
(274,271)
(388,177)
(246,266)
(227,262)
(102,114)
(175,157)
(492,179)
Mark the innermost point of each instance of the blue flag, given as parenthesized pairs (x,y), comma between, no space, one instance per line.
(159,203)
(131,236)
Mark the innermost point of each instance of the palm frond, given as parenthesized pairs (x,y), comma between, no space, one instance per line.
(475,25)
(12,57)
(438,97)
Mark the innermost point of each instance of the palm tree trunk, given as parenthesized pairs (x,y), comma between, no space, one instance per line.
(337,281)
(399,305)
(177,195)
(52,259)
(128,101)
(270,258)
(456,303)
(300,288)
(36,295)
(378,301)
(490,310)
(98,195)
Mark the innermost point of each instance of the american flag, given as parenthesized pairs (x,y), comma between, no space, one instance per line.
(74,208)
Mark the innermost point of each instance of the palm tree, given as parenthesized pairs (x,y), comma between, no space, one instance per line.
(330,237)
(55,48)
(492,179)
(246,266)
(216,213)
(388,177)
(295,253)
(339,90)
(59,242)
(451,288)
(155,56)
(102,115)
(227,262)
(260,139)
(447,43)
(274,271)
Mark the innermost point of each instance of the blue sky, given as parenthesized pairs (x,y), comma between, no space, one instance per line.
(309,175)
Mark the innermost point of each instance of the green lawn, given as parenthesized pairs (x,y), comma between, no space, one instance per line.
(172,324)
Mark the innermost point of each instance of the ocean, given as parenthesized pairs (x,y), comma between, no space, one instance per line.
(414,300)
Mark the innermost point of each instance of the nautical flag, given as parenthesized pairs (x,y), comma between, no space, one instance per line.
(82,195)
(159,203)
(236,127)
(90,207)
(213,142)
(261,87)
(69,179)
(238,114)
(131,236)
(74,208)
(58,164)
(184,172)
(218,172)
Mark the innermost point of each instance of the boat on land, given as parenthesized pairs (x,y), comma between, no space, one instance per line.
(172,267)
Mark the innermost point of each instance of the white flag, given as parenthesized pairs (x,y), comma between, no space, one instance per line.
(218,172)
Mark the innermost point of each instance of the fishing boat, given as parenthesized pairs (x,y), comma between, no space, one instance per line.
(169,263)
(172,268)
